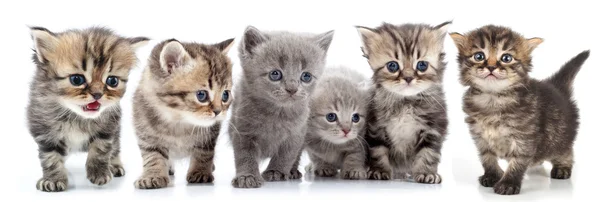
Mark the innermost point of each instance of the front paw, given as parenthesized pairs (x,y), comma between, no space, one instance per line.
(354,174)
(52,185)
(507,188)
(295,174)
(274,175)
(325,172)
(247,181)
(152,182)
(432,178)
(488,180)
(117,170)
(380,174)
(200,177)
(99,176)
(560,173)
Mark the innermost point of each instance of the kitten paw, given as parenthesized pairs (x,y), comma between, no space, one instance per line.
(152,182)
(273,175)
(560,173)
(379,174)
(428,178)
(489,180)
(51,185)
(507,188)
(354,174)
(200,177)
(117,170)
(295,174)
(99,176)
(247,181)
(325,172)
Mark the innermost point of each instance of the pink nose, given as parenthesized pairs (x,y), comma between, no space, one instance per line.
(346,131)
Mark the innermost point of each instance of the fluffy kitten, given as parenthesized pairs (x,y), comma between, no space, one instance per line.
(336,127)
(271,107)
(511,115)
(80,78)
(407,121)
(178,108)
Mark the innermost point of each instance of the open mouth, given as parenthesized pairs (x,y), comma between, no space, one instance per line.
(92,107)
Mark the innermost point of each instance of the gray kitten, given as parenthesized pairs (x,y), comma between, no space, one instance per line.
(337,124)
(80,78)
(407,118)
(271,107)
(178,108)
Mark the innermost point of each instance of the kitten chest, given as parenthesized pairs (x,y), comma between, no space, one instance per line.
(402,131)
(495,134)
(74,136)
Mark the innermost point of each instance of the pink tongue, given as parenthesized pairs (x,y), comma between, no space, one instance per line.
(94,105)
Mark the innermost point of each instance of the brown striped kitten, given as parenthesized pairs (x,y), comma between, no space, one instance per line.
(512,116)
(178,108)
(407,121)
(74,99)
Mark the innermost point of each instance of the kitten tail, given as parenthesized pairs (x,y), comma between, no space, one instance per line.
(563,79)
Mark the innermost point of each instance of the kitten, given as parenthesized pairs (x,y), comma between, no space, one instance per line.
(512,116)
(407,122)
(178,108)
(271,107)
(336,127)
(80,78)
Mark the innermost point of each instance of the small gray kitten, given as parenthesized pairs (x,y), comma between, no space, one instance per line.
(74,99)
(337,125)
(407,118)
(178,108)
(271,107)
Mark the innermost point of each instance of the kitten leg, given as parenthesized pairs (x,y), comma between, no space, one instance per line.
(201,163)
(116,166)
(245,152)
(98,160)
(510,183)
(321,168)
(281,164)
(380,167)
(53,167)
(492,173)
(424,168)
(294,172)
(562,166)
(156,168)
(353,167)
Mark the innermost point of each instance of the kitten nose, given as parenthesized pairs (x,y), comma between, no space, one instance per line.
(491,68)
(408,79)
(346,131)
(291,91)
(217,111)
(97,96)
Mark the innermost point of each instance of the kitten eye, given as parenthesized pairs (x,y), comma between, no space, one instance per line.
(355,118)
(275,75)
(77,79)
(422,66)
(225,96)
(202,95)
(306,77)
(392,66)
(331,117)
(112,81)
(479,56)
(506,58)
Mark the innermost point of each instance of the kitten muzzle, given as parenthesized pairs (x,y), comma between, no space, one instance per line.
(92,107)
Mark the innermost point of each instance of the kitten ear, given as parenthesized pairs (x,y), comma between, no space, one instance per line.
(324,40)
(138,42)
(173,56)
(459,40)
(224,46)
(533,43)
(366,34)
(44,42)
(442,29)
(252,38)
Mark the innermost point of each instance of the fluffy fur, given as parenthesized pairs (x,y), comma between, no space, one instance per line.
(269,117)
(57,115)
(513,116)
(338,144)
(171,119)
(407,121)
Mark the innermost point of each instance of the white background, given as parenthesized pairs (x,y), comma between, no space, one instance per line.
(568,28)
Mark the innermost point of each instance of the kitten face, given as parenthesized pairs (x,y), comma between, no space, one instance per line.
(494,58)
(406,59)
(193,81)
(87,70)
(282,67)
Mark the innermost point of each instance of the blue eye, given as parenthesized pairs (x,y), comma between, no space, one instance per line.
(275,75)
(306,77)
(422,66)
(355,118)
(331,117)
(506,58)
(77,79)
(202,95)
(479,56)
(392,66)
(112,81)
(225,96)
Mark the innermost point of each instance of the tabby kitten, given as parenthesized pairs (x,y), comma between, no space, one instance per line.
(74,99)
(271,107)
(512,116)
(407,122)
(336,126)
(178,108)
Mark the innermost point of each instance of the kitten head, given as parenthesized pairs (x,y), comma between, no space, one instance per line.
(406,59)
(282,67)
(494,58)
(191,81)
(339,108)
(84,70)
